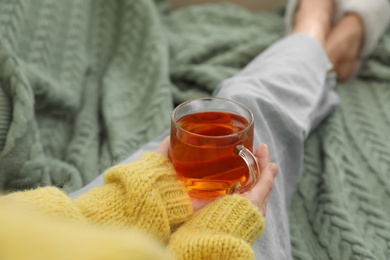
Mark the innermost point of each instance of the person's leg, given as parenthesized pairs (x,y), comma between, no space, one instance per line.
(289,90)
(344,45)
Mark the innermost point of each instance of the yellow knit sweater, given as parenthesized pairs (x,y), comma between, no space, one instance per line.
(142,212)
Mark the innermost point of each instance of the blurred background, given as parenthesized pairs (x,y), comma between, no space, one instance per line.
(254,5)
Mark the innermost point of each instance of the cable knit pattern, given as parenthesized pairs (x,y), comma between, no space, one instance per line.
(138,198)
(83,84)
(5,117)
(342,206)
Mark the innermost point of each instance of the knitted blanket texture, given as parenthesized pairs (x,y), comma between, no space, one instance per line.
(83,84)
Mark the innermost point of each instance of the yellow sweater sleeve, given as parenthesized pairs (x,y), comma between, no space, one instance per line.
(27,235)
(105,223)
(145,194)
(224,229)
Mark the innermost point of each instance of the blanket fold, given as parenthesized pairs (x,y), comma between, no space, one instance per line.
(83,85)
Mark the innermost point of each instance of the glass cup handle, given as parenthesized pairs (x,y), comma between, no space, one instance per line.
(253,167)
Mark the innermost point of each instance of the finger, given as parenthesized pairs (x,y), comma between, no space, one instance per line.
(197,203)
(263,208)
(263,187)
(164,146)
(262,156)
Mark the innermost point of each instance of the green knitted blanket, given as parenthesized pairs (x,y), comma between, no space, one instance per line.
(83,84)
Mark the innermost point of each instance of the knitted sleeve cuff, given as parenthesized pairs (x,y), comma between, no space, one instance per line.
(231,214)
(154,171)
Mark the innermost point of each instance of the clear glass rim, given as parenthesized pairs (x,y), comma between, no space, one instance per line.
(250,123)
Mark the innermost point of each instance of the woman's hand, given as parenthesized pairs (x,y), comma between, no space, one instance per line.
(164,146)
(259,194)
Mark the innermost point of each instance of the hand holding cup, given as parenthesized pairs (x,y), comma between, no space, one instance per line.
(259,194)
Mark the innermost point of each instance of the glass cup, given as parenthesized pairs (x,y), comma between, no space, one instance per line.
(211,147)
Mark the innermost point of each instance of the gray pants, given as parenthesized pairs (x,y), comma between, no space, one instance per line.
(289,91)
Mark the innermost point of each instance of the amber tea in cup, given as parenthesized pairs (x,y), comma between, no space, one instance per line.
(211,143)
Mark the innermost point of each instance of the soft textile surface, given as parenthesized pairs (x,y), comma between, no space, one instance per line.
(84,83)
(87,83)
